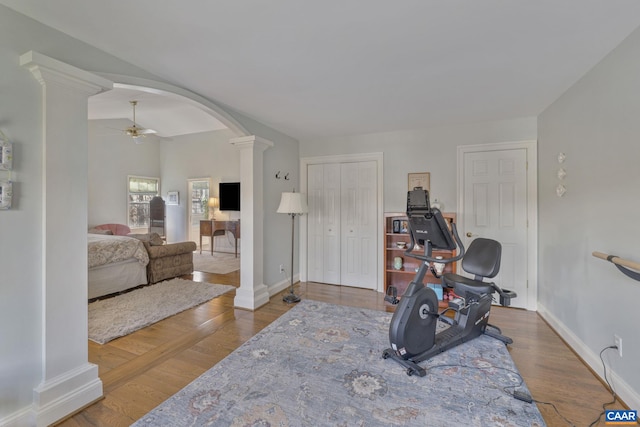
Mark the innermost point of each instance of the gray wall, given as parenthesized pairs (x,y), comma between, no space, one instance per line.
(21,240)
(283,156)
(432,150)
(200,155)
(203,155)
(112,157)
(20,232)
(595,123)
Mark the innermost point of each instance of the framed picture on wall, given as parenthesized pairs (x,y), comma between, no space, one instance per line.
(420,179)
(6,155)
(173,198)
(6,191)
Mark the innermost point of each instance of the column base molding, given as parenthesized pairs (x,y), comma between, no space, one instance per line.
(66,394)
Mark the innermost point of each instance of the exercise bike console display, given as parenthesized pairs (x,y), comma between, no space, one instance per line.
(427,224)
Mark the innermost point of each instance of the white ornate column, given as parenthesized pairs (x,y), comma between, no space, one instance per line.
(252,293)
(69,381)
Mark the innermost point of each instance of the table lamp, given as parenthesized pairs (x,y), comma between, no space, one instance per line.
(213,204)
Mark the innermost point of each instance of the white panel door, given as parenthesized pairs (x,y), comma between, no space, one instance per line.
(495,207)
(323,226)
(359,224)
(331,219)
(315,223)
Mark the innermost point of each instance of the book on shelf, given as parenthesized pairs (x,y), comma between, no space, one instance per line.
(438,290)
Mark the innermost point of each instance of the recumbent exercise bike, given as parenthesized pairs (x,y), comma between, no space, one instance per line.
(412,332)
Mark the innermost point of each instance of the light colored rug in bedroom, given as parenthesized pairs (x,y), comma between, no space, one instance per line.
(123,314)
(219,262)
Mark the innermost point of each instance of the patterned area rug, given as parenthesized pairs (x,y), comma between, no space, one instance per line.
(320,365)
(219,262)
(118,316)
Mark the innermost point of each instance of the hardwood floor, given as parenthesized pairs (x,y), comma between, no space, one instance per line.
(141,370)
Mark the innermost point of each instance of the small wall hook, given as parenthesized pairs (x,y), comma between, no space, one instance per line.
(286,177)
(278,175)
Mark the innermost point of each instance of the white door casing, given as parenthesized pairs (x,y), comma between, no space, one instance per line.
(497,199)
(308,225)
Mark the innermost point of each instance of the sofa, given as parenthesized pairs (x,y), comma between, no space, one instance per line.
(169,260)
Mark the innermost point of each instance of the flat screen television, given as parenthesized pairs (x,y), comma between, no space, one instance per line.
(229,193)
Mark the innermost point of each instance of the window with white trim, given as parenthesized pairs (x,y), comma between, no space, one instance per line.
(140,190)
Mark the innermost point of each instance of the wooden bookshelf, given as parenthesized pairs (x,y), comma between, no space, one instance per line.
(400,278)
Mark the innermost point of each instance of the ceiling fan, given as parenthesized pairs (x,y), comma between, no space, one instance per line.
(135,131)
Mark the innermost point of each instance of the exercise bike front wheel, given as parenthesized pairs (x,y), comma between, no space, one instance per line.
(413,325)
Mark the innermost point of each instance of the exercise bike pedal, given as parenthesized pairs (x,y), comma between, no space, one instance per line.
(392,295)
(447,320)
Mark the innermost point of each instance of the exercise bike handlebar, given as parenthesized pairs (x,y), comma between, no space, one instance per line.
(427,256)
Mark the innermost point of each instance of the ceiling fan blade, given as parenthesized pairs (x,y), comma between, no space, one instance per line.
(135,130)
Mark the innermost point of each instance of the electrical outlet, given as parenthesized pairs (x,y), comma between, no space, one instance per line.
(281,268)
(618,343)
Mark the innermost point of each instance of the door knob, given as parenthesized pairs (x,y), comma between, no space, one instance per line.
(470,234)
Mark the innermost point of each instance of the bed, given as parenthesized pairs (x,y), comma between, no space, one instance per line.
(116,263)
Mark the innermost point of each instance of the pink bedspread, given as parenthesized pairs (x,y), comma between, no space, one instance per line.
(105,249)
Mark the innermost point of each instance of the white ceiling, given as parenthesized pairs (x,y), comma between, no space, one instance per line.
(167,116)
(314,69)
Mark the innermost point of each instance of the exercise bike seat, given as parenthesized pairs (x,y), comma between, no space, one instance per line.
(462,285)
(482,259)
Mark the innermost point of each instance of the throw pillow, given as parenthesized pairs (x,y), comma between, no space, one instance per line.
(155,240)
(99,231)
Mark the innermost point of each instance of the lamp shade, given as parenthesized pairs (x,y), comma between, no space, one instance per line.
(293,203)
(213,202)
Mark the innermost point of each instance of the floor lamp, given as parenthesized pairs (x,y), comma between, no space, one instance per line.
(292,204)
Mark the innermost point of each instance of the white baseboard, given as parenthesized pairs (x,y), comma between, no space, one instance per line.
(623,390)
(65,394)
(251,298)
(23,417)
(282,285)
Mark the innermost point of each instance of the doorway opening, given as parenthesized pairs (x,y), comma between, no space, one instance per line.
(198,208)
